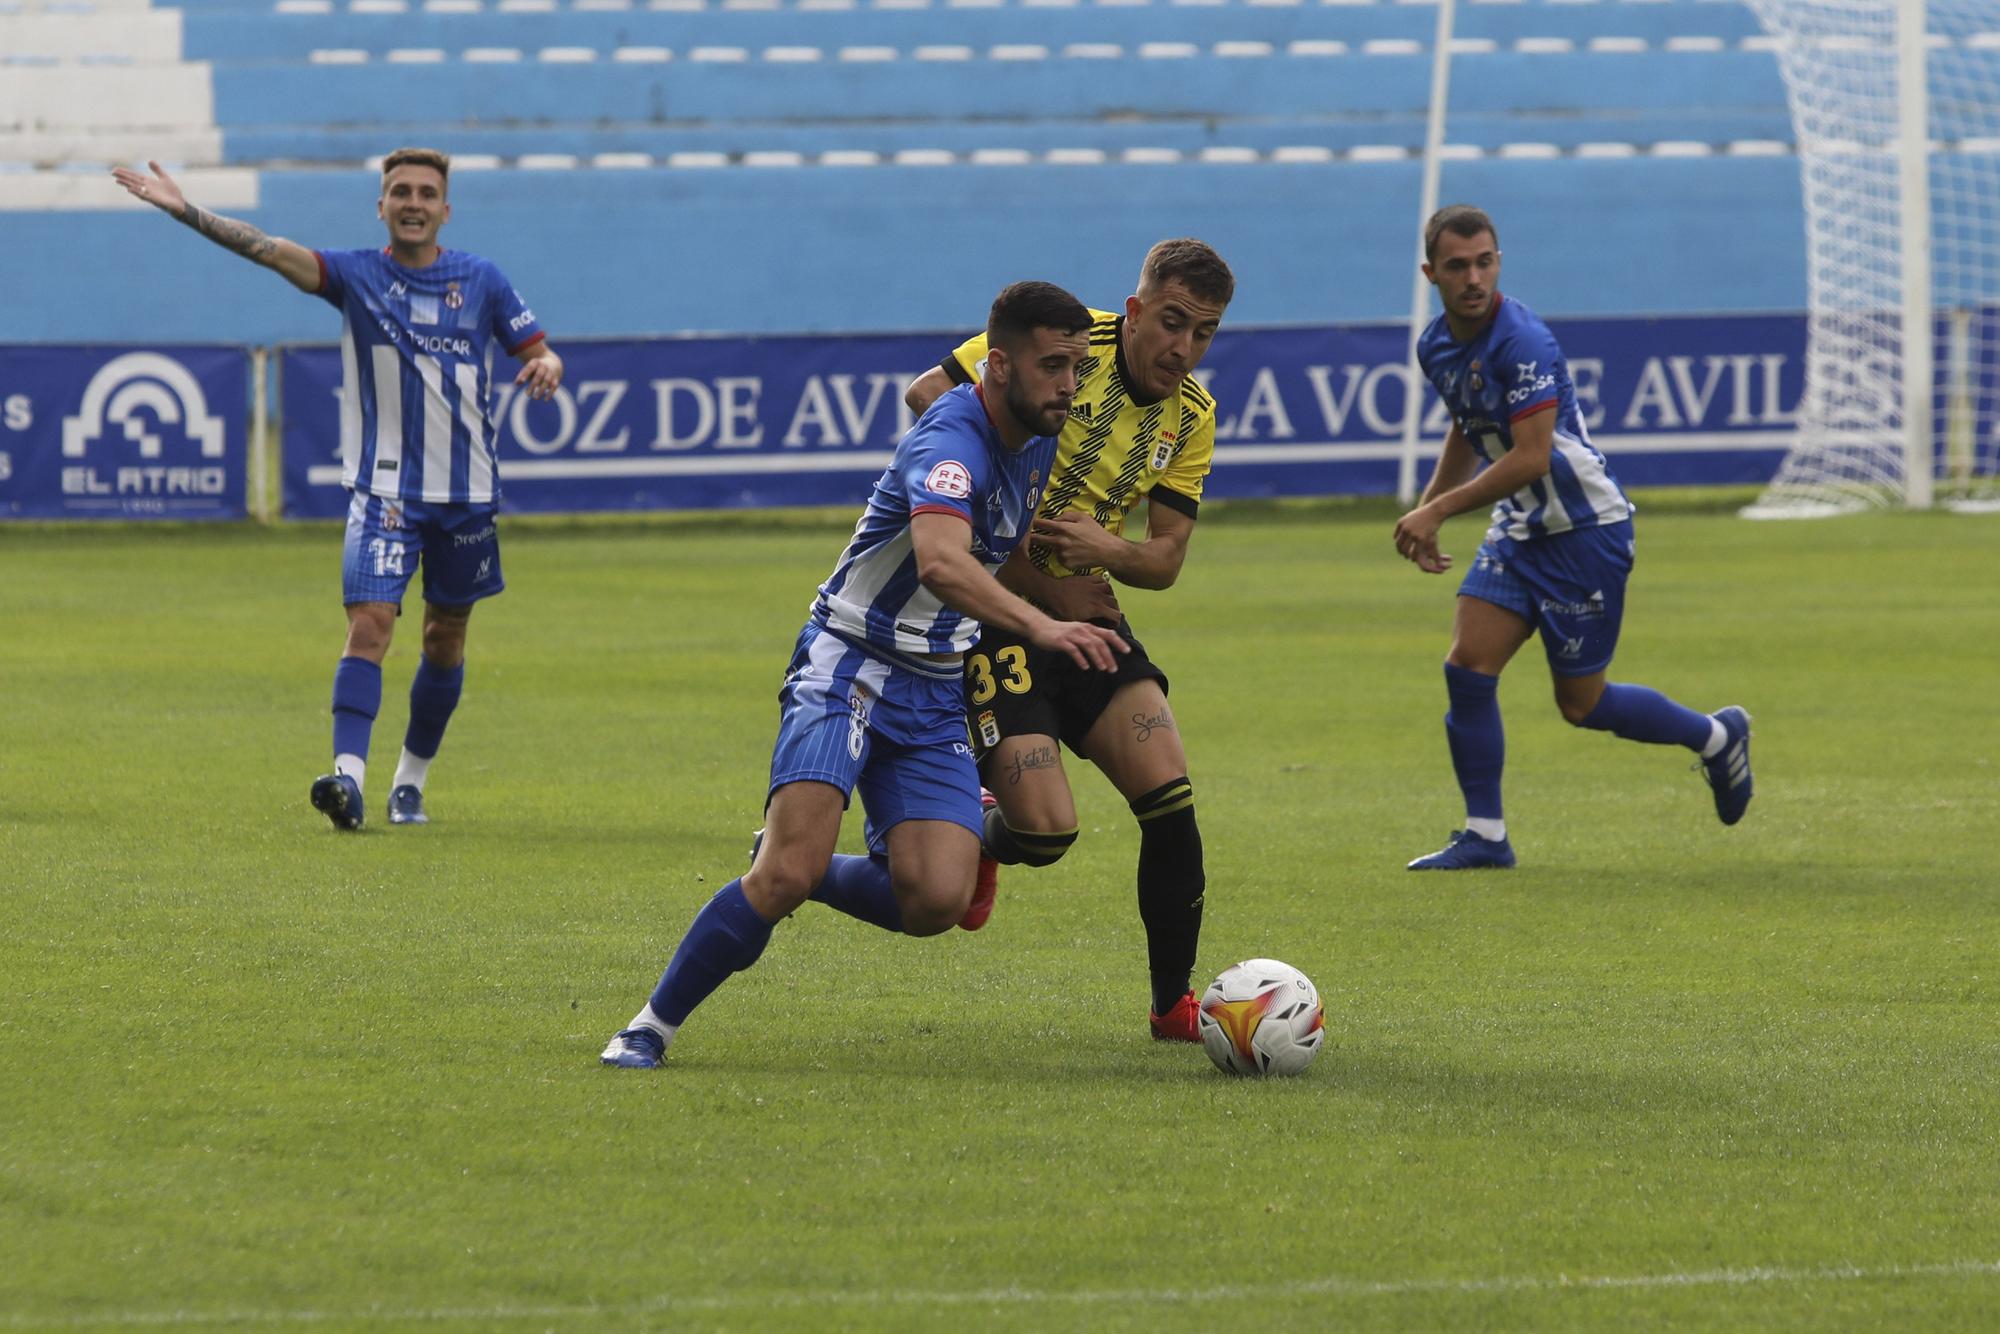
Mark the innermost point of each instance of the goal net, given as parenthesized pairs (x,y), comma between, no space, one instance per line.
(1896,110)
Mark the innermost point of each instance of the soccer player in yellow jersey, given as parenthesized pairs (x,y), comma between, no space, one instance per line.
(1140,428)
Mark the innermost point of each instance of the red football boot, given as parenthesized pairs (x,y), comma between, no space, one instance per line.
(1179,1024)
(988,883)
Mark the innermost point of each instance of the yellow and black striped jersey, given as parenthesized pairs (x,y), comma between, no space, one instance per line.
(1114,451)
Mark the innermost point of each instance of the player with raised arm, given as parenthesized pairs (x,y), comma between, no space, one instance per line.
(416,444)
(1556,557)
(873,697)
(1142,428)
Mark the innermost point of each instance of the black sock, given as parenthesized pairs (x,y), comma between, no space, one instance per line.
(1016,847)
(1171,886)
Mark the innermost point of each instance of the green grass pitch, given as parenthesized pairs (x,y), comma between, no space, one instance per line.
(1666,1074)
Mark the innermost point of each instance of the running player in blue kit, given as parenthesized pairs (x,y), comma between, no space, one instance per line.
(1556,557)
(875,698)
(416,448)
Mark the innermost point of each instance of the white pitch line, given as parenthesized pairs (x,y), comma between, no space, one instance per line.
(1017,1296)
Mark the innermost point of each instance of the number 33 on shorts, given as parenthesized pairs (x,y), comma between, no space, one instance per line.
(1012,659)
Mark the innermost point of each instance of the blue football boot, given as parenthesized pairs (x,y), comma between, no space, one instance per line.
(1467,851)
(1728,771)
(338,797)
(635,1049)
(406,805)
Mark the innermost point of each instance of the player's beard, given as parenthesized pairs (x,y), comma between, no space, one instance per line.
(1036,416)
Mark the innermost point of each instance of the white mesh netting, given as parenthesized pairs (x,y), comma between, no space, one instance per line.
(1839,60)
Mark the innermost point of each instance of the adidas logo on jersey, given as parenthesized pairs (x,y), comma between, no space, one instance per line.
(1079,412)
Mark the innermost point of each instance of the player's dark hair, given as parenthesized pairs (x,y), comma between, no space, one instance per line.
(1194,264)
(419,157)
(1460,220)
(1022,308)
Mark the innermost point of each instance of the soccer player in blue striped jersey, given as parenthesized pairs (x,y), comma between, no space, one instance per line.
(874,697)
(1556,557)
(416,446)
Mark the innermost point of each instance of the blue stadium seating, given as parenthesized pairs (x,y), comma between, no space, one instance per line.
(1267,120)
(259,34)
(1184,134)
(1202,86)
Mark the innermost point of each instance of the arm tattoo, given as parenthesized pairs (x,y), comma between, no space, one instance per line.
(1143,727)
(1041,757)
(230,234)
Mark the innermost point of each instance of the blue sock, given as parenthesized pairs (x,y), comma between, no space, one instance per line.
(725,937)
(357,698)
(860,887)
(1478,742)
(1640,713)
(433,695)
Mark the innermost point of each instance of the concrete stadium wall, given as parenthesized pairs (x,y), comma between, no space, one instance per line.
(744,249)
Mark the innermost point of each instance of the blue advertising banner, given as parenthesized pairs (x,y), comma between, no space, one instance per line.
(90,432)
(681,423)
(1672,402)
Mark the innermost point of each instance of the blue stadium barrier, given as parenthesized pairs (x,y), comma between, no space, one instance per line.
(875,248)
(699,423)
(707,422)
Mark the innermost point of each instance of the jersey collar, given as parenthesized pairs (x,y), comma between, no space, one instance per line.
(389,254)
(1125,372)
(1485,323)
(993,437)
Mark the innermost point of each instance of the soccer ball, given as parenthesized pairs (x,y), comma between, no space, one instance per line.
(1261,1017)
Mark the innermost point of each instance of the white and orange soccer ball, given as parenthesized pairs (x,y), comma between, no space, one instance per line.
(1262,1017)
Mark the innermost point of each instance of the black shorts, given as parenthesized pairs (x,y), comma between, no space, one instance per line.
(1013,688)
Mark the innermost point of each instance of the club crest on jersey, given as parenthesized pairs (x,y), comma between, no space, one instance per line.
(453,298)
(1473,382)
(950,478)
(1163,452)
(989,730)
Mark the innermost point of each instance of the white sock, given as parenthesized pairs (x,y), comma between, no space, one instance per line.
(1491,830)
(647,1019)
(411,771)
(353,766)
(1718,737)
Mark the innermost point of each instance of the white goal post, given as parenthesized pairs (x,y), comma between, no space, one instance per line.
(1896,112)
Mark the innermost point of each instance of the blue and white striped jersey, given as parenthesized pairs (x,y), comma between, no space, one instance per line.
(416,361)
(1511,369)
(951,462)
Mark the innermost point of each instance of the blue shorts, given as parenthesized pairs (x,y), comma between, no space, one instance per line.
(458,544)
(851,719)
(1570,586)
